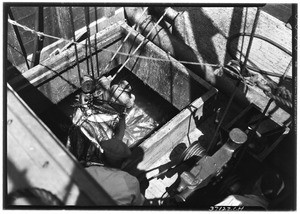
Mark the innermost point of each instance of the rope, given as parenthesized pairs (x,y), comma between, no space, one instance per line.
(230,52)
(107,50)
(140,45)
(87,22)
(193,150)
(277,98)
(280,99)
(74,39)
(125,39)
(39,34)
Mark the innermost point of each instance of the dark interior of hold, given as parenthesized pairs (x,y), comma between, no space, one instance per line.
(153,107)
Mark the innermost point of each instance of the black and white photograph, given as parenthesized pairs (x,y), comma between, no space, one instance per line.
(149,106)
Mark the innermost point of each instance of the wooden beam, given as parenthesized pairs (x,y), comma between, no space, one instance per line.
(36,158)
(173,81)
(150,151)
(38,42)
(61,45)
(64,22)
(176,47)
(60,63)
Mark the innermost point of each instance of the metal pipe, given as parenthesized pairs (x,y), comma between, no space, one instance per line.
(38,43)
(97,60)
(125,39)
(212,143)
(251,40)
(75,45)
(171,14)
(87,59)
(244,30)
(138,47)
(19,38)
(87,22)
(284,75)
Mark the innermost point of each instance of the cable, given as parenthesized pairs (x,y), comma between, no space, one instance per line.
(138,47)
(232,55)
(111,51)
(74,37)
(125,39)
(87,22)
(97,59)
(212,142)
(250,41)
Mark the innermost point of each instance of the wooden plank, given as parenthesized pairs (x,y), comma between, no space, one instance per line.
(36,155)
(180,90)
(65,60)
(157,186)
(173,81)
(64,22)
(213,50)
(280,11)
(68,82)
(62,44)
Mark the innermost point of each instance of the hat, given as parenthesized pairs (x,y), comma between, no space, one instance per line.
(115,150)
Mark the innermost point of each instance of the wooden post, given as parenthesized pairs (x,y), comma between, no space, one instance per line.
(64,22)
(38,42)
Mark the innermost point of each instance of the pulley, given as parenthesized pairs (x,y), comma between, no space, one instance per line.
(87,84)
(195,149)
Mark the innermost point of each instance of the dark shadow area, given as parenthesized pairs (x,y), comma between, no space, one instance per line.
(203,38)
(235,27)
(15,176)
(283,159)
(48,112)
(58,122)
(149,106)
(283,12)
(131,166)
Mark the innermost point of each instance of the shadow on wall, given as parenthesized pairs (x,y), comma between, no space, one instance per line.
(204,29)
(16,178)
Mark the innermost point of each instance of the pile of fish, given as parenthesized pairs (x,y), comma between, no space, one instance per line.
(98,113)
